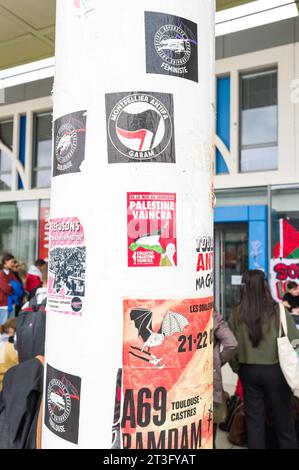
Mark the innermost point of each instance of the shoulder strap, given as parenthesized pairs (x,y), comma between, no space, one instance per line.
(41,359)
(40,414)
(283,328)
(39,426)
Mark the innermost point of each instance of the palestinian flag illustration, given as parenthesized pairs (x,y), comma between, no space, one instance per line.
(151,229)
(149,241)
(288,245)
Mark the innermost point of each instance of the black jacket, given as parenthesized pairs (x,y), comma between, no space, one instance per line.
(31,331)
(20,402)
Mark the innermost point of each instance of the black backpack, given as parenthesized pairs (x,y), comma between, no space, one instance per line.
(20,403)
(232,405)
(31,331)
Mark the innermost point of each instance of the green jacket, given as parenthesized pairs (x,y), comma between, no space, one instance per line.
(267,352)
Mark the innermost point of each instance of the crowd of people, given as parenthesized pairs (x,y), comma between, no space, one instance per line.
(248,342)
(17,286)
(22,342)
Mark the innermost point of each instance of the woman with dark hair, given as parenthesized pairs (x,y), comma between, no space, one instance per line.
(255,323)
(224,349)
(6,277)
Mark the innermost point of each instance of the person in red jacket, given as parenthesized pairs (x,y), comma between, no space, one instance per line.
(6,276)
(34,276)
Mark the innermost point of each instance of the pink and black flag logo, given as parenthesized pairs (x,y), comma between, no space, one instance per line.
(140,127)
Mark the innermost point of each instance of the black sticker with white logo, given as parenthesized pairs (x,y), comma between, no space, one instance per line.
(171,46)
(140,127)
(62,408)
(69,143)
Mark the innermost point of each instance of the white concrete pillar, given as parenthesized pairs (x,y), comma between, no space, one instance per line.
(130,279)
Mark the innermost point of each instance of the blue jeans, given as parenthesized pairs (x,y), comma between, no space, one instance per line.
(3,315)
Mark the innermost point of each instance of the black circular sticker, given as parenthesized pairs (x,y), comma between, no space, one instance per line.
(140,127)
(76,304)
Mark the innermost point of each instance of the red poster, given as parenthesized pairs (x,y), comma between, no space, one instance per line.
(44,232)
(167,374)
(152,229)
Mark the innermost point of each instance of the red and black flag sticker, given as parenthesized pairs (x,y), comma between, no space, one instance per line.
(140,127)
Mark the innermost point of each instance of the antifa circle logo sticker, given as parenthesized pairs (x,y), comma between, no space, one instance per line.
(62,408)
(173,45)
(65,143)
(140,127)
(69,143)
(59,401)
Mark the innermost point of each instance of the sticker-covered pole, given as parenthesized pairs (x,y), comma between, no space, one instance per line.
(130,286)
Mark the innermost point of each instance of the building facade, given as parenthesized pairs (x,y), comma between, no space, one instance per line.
(256,170)
(25,169)
(257,160)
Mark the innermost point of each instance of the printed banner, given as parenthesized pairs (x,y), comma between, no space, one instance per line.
(140,127)
(44,232)
(67,264)
(152,229)
(204,262)
(167,374)
(171,46)
(283,271)
(62,408)
(69,143)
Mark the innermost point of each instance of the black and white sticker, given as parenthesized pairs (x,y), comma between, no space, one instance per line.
(69,143)
(171,46)
(62,408)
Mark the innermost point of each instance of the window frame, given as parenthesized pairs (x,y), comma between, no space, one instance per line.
(256,71)
(6,121)
(36,168)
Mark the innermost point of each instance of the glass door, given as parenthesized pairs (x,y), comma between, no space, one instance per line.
(231,260)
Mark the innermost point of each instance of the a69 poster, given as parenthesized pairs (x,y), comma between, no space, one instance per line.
(167,393)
